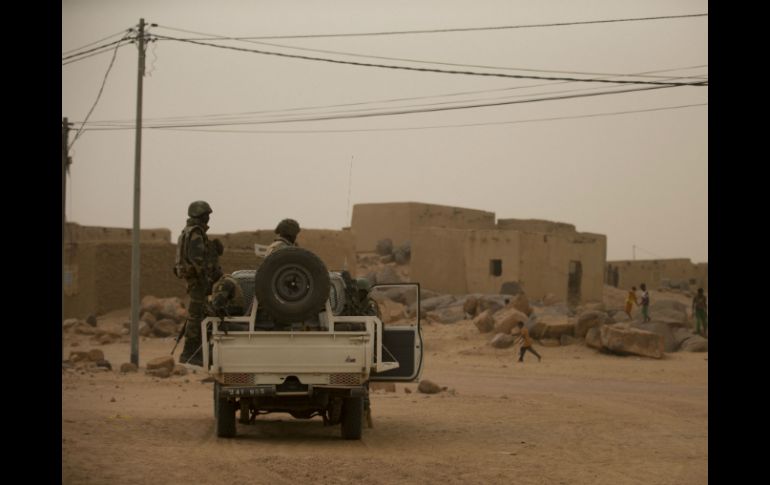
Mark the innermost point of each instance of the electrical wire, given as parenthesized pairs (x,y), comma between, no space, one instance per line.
(122,32)
(421,61)
(98,96)
(95,48)
(466,29)
(463,125)
(442,71)
(102,51)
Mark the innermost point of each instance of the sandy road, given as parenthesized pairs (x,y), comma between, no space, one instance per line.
(578,417)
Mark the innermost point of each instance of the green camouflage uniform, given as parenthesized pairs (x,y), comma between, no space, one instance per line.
(198,279)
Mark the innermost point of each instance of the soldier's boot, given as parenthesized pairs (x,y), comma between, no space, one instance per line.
(192,352)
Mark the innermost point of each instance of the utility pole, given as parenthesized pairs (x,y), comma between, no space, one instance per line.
(137,192)
(65,161)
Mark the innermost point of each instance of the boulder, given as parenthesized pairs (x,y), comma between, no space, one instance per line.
(388,275)
(484,321)
(431,304)
(165,328)
(147,317)
(104,363)
(405,296)
(594,338)
(384,247)
(669,311)
(150,304)
(662,329)
(428,387)
(128,367)
(160,372)
(470,304)
(387,259)
(78,356)
(492,302)
(106,338)
(552,326)
(166,361)
(521,303)
(511,288)
(507,318)
(696,343)
(450,314)
(680,335)
(624,340)
(91,320)
(69,323)
(589,319)
(403,253)
(391,311)
(619,317)
(145,329)
(550,299)
(179,370)
(83,328)
(502,341)
(95,355)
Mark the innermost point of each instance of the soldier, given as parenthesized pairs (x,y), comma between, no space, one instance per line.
(287,231)
(227,297)
(193,262)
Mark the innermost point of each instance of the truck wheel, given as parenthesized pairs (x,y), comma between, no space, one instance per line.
(226,419)
(352,418)
(292,285)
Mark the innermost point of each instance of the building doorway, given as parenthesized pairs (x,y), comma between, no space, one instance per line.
(573,283)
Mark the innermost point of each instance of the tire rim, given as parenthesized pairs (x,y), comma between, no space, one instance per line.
(292,283)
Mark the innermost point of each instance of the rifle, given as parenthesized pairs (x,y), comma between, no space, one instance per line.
(179,336)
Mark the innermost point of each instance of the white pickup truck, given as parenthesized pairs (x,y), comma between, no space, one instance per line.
(307,355)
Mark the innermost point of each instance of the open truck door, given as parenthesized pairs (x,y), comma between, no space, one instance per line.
(399,310)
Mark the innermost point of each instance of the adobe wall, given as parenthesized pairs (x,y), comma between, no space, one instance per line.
(591,251)
(654,271)
(483,246)
(438,260)
(400,220)
(335,248)
(536,225)
(74,232)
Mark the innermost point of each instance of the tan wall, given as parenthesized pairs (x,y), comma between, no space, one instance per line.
(74,232)
(481,247)
(536,225)
(399,221)
(372,222)
(591,251)
(335,248)
(438,260)
(653,271)
(544,265)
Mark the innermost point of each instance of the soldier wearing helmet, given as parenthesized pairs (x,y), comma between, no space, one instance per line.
(193,263)
(286,231)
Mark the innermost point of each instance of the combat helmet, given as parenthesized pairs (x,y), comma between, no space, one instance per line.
(199,208)
(362,284)
(287,227)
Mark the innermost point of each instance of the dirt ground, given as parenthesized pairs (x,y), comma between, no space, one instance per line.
(577,417)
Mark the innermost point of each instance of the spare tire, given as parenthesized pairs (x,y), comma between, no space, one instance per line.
(292,284)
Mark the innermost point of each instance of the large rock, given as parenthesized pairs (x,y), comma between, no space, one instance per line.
(521,303)
(470,304)
(69,323)
(662,329)
(450,314)
(492,302)
(166,361)
(403,253)
(162,308)
(405,296)
(428,387)
(147,317)
(78,356)
(680,335)
(511,288)
(507,318)
(163,372)
(484,322)
(387,275)
(128,367)
(567,340)
(552,326)
(391,311)
(696,343)
(431,304)
(502,341)
(145,329)
(384,247)
(83,328)
(669,311)
(95,355)
(625,340)
(589,319)
(165,328)
(594,338)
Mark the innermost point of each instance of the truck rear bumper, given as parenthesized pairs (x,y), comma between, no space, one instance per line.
(270,390)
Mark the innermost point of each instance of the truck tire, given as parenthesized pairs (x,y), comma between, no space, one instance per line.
(292,285)
(352,418)
(226,419)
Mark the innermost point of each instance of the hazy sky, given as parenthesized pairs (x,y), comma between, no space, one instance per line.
(639,178)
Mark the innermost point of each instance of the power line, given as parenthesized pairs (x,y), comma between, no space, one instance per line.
(95,48)
(98,96)
(421,61)
(465,29)
(95,42)
(388,100)
(96,53)
(464,125)
(442,71)
(398,112)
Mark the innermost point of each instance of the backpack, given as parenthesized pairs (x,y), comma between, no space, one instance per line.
(182,267)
